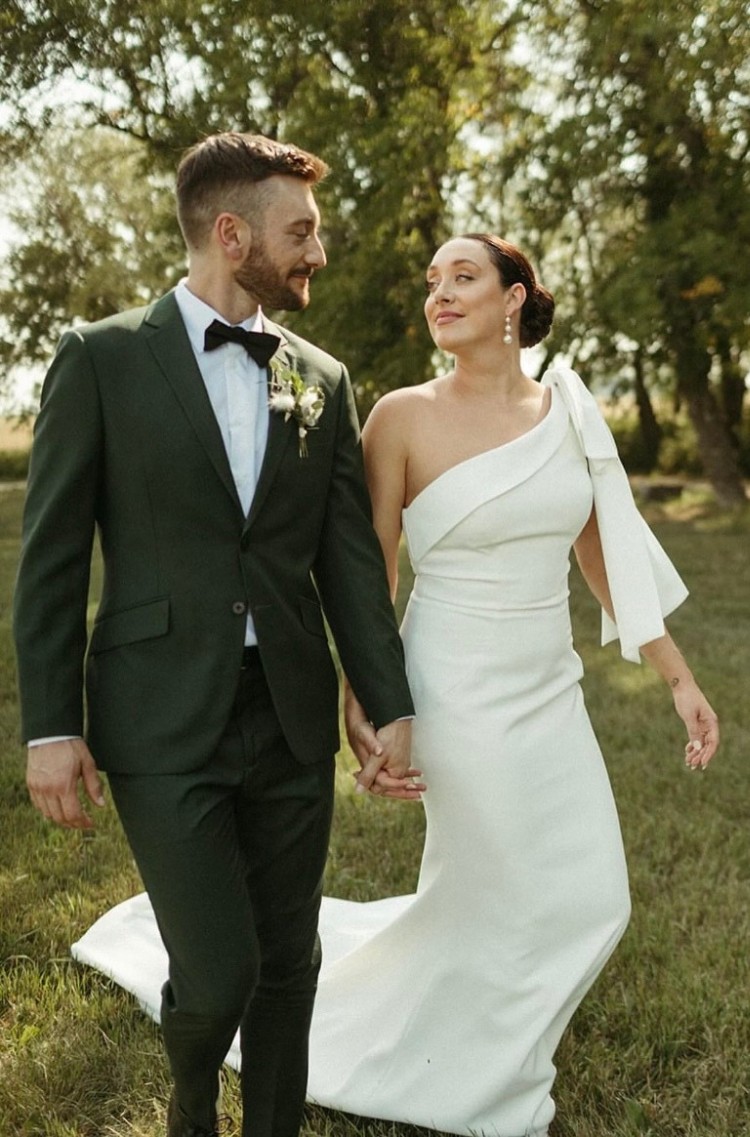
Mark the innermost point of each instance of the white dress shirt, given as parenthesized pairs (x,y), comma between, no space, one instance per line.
(238,390)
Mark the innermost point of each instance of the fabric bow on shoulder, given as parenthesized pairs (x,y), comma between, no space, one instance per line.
(643,583)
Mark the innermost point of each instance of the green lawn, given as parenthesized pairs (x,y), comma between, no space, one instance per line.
(661,1045)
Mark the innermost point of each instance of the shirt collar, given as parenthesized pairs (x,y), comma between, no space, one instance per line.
(197,315)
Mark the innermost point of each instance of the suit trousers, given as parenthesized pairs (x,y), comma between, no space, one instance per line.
(232,856)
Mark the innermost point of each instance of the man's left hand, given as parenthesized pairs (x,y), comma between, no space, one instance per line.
(385,759)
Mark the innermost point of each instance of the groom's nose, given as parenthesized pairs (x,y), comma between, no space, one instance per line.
(315,255)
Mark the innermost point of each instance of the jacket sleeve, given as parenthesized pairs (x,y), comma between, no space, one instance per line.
(51,595)
(351,577)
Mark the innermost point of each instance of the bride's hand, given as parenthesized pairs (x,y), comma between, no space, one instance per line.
(374,757)
(701,723)
(408,788)
(373,775)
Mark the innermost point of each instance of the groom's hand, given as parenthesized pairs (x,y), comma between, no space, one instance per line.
(395,740)
(384,757)
(53,773)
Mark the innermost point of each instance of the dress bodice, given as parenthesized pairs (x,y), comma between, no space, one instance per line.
(497,529)
(530,531)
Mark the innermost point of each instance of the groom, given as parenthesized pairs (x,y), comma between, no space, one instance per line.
(210,690)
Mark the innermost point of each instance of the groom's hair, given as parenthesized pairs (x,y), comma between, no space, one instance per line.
(226,172)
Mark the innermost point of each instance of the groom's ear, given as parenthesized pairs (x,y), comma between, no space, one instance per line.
(233,236)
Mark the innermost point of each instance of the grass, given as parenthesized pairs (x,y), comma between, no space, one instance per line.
(659,1047)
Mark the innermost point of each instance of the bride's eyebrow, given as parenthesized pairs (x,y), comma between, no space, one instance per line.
(454,264)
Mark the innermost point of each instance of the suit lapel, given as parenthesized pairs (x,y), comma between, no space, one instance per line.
(171,347)
(279,434)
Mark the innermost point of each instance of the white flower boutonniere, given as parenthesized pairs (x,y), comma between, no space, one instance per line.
(294,399)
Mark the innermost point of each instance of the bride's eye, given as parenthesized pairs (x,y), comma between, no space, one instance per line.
(430,285)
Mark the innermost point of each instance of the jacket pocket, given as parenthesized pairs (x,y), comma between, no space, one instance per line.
(143,622)
(312,617)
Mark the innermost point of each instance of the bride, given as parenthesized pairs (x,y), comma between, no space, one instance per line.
(444,1009)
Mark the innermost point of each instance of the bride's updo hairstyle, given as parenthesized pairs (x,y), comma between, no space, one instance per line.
(514,268)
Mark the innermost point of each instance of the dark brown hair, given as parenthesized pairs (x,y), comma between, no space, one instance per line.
(515,268)
(224,171)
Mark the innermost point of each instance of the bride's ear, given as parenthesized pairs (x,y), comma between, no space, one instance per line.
(515,297)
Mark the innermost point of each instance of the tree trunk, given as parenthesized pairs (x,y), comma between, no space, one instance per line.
(649,426)
(715,444)
(718,454)
(732,386)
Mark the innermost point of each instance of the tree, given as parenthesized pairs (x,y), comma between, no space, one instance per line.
(608,138)
(94,243)
(380,88)
(644,157)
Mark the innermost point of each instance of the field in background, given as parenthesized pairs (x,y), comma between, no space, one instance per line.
(14,435)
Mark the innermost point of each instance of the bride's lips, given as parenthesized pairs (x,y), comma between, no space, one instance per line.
(447,318)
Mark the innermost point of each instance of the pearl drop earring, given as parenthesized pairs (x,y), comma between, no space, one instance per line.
(507,338)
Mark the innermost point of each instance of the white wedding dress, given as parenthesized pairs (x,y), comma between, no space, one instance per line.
(444,1009)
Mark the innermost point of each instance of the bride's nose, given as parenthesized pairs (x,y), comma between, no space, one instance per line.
(442,292)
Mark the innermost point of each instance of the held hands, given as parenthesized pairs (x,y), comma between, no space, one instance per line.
(700,721)
(53,772)
(383,755)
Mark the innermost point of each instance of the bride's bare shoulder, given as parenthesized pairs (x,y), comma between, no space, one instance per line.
(399,406)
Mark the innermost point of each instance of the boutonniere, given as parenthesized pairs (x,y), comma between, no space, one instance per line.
(292,397)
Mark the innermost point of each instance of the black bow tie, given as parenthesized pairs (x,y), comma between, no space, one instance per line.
(260,345)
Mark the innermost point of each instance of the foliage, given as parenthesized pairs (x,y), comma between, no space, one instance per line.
(609,139)
(380,89)
(659,1046)
(679,452)
(640,168)
(14,465)
(100,241)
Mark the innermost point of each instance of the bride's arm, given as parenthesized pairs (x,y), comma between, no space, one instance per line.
(385,445)
(663,654)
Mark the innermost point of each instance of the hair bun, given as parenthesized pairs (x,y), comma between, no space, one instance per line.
(537,314)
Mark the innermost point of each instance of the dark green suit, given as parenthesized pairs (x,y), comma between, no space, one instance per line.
(126,442)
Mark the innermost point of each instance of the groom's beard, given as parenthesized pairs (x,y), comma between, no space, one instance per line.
(262,280)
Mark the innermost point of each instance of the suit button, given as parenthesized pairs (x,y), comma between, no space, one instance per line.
(239,607)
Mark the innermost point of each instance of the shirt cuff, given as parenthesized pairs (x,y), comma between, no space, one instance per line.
(52,738)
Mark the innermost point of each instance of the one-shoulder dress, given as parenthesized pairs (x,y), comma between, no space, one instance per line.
(444,1008)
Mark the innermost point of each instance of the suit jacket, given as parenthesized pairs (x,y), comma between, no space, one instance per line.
(126,442)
